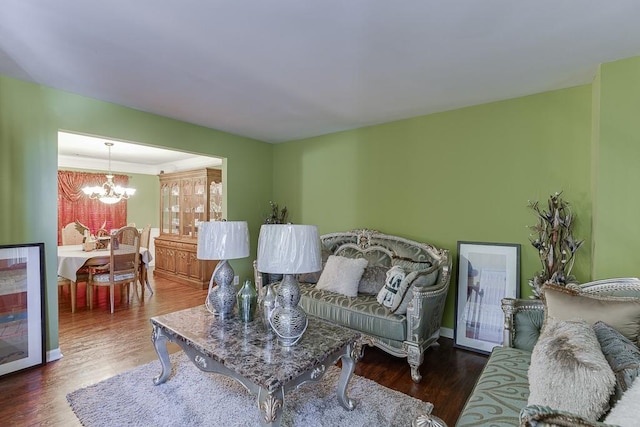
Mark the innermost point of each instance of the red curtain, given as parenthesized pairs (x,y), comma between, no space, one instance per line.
(74,205)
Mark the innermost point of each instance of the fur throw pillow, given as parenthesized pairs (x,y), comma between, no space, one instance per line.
(342,275)
(568,371)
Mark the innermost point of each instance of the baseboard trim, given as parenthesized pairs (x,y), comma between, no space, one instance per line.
(54,354)
(446,332)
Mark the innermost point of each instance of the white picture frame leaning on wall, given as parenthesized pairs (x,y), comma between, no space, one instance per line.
(487,273)
(22,289)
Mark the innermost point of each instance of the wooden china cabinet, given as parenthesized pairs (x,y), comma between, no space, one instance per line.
(186,199)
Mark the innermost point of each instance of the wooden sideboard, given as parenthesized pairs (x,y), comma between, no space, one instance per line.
(186,199)
(176,260)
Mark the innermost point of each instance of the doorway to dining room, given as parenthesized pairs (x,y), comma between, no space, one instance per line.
(138,165)
(86,156)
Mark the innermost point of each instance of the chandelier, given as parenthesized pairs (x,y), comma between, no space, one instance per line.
(109,192)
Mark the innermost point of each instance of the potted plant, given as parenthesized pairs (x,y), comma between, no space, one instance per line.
(553,238)
(277,215)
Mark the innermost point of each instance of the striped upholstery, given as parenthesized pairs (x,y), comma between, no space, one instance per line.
(362,313)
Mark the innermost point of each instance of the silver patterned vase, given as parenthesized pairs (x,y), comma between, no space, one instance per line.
(288,320)
(222,298)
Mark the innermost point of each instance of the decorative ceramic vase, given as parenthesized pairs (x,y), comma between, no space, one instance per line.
(247,301)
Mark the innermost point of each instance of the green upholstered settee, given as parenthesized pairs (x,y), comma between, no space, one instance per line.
(502,390)
(402,335)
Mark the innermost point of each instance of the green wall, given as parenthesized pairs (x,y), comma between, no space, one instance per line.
(463,175)
(460,175)
(617,202)
(144,207)
(30,118)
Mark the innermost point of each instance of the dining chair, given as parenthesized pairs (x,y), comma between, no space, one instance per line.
(122,268)
(144,236)
(82,276)
(63,282)
(71,233)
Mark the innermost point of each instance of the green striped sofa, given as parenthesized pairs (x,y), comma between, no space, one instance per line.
(502,390)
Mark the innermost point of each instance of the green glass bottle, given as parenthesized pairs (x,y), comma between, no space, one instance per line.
(247,301)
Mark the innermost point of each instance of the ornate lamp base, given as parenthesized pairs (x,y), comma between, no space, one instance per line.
(288,320)
(222,298)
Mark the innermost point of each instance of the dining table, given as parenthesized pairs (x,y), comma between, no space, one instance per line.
(72,258)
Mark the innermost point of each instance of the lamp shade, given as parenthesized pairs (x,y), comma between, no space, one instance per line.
(221,240)
(289,249)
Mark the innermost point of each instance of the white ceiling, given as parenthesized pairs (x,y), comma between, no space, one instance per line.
(87,152)
(286,69)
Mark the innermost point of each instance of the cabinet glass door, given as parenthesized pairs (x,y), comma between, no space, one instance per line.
(199,202)
(165,208)
(187,208)
(174,203)
(215,201)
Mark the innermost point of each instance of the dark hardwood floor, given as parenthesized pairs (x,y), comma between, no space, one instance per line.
(97,345)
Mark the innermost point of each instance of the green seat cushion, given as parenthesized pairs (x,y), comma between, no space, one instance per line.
(362,313)
(501,391)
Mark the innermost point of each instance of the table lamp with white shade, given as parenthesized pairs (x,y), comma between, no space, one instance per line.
(289,249)
(222,241)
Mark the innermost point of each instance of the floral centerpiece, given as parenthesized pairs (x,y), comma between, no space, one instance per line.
(552,237)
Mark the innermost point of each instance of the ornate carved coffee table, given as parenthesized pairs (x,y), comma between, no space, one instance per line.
(253,357)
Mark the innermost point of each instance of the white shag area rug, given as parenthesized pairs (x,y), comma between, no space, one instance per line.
(191,397)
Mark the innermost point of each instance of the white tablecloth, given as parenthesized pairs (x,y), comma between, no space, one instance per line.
(72,257)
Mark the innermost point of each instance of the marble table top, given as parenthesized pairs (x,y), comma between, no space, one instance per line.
(252,351)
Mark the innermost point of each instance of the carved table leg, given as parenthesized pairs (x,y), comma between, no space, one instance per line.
(348,366)
(271,406)
(160,343)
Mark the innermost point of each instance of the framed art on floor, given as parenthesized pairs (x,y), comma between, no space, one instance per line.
(22,287)
(487,272)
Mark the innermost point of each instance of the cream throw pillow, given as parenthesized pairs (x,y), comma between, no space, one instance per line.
(568,371)
(342,275)
(621,313)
